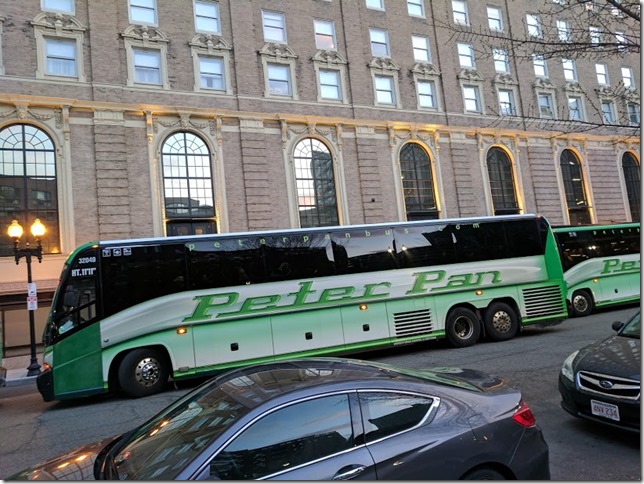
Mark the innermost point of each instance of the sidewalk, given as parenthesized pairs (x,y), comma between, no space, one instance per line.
(17,370)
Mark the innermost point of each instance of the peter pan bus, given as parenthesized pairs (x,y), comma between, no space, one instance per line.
(129,314)
(601,265)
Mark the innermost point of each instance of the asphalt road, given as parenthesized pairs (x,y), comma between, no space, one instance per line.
(32,430)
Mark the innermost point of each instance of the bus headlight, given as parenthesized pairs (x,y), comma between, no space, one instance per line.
(566,368)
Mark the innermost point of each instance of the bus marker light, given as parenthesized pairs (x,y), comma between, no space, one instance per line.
(595,280)
(478,292)
(46,367)
(363,307)
(182,330)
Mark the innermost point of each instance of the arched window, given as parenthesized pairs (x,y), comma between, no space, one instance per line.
(187,185)
(504,195)
(573,179)
(417,183)
(28,184)
(315,184)
(632,178)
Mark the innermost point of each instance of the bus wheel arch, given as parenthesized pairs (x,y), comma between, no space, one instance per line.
(462,326)
(501,320)
(581,303)
(141,372)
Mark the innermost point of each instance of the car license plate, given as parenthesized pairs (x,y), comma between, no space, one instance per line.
(606,410)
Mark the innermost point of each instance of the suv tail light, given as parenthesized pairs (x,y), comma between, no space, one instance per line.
(524,416)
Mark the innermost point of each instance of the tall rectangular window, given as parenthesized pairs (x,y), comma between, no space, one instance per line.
(426,94)
(465,55)
(421,48)
(494,19)
(533,23)
(330,84)
(540,66)
(279,80)
(207,17)
(546,106)
(506,103)
(379,43)
(633,113)
(570,70)
(274,27)
(620,38)
(376,4)
(385,93)
(63,6)
(501,60)
(212,73)
(147,66)
(459,8)
(595,35)
(416,8)
(324,34)
(627,76)
(608,112)
(602,74)
(563,31)
(575,108)
(61,57)
(143,12)
(472,99)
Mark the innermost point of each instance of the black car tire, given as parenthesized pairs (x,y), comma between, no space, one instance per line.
(501,322)
(581,303)
(462,327)
(485,474)
(143,372)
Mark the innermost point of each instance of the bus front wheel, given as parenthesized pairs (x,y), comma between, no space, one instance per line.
(582,303)
(143,372)
(501,322)
(462,327)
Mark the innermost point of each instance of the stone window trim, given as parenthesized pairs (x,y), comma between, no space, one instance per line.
(507,82)
(384,66)
(276,53)
(471,78)
(150,38)
(578,96)
(63,27)
(331,60)
(546,87)
(424,71)
(211,46)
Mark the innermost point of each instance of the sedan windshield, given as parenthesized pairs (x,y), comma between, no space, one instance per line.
(632,328)
(160,449)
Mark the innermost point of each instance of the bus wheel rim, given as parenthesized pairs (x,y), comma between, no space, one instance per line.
(502,322)
(463,328)
(148,372)
(580,303)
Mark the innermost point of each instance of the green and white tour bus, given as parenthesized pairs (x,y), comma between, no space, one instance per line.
(601,265)
(129,314)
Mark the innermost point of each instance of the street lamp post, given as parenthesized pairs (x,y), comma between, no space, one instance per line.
(15,232)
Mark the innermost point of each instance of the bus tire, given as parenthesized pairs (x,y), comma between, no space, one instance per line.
(462,327)
(143,372)
(581,303)
(501,322)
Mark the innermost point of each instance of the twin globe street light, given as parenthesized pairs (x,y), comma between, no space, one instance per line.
(15,231)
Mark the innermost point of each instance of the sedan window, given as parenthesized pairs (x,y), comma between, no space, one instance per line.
(286,438)
(388,413)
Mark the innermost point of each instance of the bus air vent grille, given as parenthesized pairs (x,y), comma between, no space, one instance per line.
(410,323)
(543,301)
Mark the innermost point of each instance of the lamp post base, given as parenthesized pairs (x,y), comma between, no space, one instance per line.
(34,368)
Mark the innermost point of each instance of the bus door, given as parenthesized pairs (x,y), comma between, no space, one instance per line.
(74,329)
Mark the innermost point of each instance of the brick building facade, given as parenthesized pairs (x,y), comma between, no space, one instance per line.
(157,117)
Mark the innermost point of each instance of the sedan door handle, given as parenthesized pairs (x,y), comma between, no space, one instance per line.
(352,472)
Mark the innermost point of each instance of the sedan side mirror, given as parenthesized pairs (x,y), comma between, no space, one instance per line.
(617,325)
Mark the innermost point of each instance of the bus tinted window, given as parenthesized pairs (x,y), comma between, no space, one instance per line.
(364,250)
(300,256)
(425,246)
(150,272)
(480,241)
(525,237)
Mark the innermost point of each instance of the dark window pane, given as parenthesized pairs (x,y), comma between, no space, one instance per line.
(298,256)
(574,186)
(385,413)
(425,246)
(501,178)
(418,184)
(525,237)
(287,438)
(633,184)
(364,250)
(480,241)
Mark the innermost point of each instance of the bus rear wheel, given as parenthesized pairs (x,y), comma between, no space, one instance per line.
(582,303)
(501,322)
(143,372)
(462,327)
